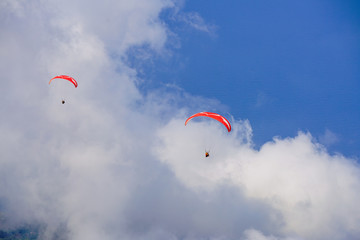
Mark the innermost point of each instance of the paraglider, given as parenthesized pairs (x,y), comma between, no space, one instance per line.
(212,115)
(70,79)
(215,116)
(65,77)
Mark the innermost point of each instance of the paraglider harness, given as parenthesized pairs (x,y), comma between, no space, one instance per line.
(207,153)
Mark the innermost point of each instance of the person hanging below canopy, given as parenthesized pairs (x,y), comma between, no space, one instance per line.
(215,116)
(65,77)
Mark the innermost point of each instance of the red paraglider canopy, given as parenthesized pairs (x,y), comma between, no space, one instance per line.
(66,78)
(212,115)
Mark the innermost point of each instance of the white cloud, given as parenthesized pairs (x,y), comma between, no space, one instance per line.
(194,20)
(328,138)
(114,164)
(313,191)
(252,234)
(263,99)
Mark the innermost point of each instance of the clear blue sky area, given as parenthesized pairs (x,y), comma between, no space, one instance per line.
(284,65)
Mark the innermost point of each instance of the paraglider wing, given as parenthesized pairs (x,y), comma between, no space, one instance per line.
(212,115)
(70,79)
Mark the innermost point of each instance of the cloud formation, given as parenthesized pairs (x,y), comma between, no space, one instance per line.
(112,163)
(194,20)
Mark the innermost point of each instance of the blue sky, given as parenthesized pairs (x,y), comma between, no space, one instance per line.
(286,66)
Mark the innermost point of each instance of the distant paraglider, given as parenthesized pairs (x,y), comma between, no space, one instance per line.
(70,79)
(65,77)
(215,116)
